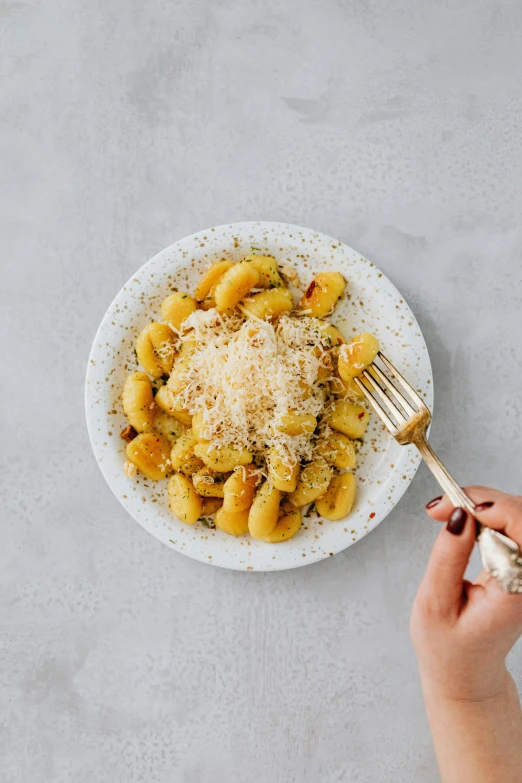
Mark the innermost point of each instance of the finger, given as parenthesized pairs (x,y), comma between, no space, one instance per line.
(440,508)
(448,561)
(504,513)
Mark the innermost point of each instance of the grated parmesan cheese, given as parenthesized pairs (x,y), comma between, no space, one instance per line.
(244,376)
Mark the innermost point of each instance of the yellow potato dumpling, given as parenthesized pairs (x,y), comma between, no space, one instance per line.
(176,307)
(168,426)
(298,423)
(198,427)
(353,390)
(312,483)
(150,452)
(322,294)
(239,489)
(208,483)
(184,501)
(210,278)
(334,335)
(338,450)
(282,477)
(337,502)
(208,302)
(348,418)
(165,400)
(269,304)
(187,349)
(337,385)
(223,459)
(286,526)
(182,456)
(138,401)
(210,506)
(346,388)
(235,285)
(233,523)
(264,511)
(357,355)
(269,276)
(155,349)
(177,382)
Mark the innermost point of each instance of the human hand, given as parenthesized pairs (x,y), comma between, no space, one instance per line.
(462,632)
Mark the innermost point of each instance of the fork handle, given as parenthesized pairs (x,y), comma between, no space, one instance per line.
(500,555)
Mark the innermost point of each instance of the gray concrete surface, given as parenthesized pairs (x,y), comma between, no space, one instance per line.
(125,126)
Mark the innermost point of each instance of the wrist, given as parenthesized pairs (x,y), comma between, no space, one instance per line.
(490,688)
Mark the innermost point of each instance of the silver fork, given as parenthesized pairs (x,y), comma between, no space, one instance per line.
(408,420)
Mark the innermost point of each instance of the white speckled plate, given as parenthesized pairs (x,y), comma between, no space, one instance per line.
(373,304)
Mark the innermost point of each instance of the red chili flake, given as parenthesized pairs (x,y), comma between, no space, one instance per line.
(310,289)
(360,415)
(128,434)
(372,515)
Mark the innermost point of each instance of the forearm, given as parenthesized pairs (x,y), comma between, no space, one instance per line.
(477,741)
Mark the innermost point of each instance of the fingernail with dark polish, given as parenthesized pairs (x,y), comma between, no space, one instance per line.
(457,522)
(484,506)
(434,502)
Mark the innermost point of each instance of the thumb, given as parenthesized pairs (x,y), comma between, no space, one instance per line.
(448,562)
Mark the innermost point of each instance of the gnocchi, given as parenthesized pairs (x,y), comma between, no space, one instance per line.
(338,499)
(239,489)
(155,349)
(338,450)
(182,456)
(282,476)
(208,483)
(268,304)
(268,270)
(264,511)
(357,355)
(210,278)
(346,388)
(349,418)
(334,335)
(164,399)
(286,526)
(177,381)
(176,308)
(298,423)
(312,483)
(210,506)
(323,293)
(222,459)
(235,285)
(184,501)
(233,523)
(168,426)
(150,453)
(138,401)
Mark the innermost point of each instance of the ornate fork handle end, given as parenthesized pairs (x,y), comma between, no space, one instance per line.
(501,558)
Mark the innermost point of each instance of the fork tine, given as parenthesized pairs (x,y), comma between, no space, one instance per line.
(397,396)
(404,383)
(388,423)
(388,403)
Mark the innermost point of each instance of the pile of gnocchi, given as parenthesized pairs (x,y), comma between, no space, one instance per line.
(229,485)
